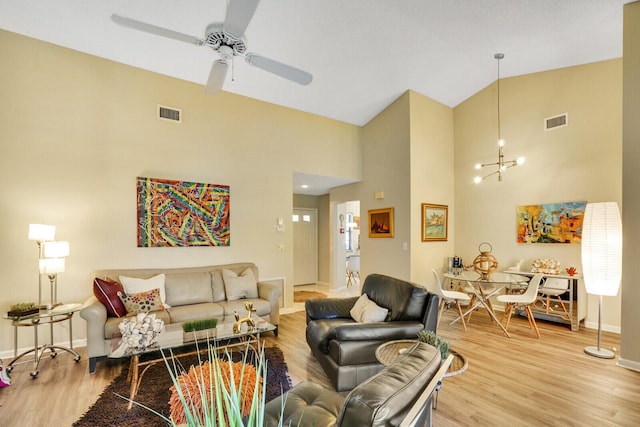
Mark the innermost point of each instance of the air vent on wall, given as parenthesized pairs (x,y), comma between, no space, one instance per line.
(171,114)
(556,121)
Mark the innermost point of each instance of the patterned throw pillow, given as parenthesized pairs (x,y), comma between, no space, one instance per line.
(142,302)
(106,291)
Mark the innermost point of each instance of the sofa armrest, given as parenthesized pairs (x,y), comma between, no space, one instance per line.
(96,316)
(271,293)
(431,313)
(378,331)
(329,308)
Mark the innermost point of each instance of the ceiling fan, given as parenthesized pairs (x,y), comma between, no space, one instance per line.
(226,38)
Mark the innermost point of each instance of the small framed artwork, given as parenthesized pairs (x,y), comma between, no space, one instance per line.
(381,222)
(435,221)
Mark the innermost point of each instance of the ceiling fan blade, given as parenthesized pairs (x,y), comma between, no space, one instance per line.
(239,14)
(159,31)
(278,68)
(217,76)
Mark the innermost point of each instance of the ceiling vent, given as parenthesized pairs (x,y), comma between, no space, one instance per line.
(168,113)
(556,121)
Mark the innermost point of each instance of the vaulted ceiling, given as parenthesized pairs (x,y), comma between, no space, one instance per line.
(363,54)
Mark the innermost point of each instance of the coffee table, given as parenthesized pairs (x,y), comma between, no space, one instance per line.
(174,343)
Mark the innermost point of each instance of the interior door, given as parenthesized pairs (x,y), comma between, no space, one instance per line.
(305,246)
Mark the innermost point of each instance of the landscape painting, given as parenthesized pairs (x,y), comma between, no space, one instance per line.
(434,222)
(551,223)
(181,213)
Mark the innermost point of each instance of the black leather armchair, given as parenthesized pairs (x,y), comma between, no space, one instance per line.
(400,395)
(346,349)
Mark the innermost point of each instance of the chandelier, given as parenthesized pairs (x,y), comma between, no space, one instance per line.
(501,164)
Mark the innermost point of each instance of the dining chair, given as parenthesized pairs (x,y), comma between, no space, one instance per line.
(448,297)
(524,301)
(554,287)
(353,269)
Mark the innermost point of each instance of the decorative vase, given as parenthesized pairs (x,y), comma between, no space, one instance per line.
(485,263)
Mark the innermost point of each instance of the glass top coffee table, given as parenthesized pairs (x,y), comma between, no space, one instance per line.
(173,342)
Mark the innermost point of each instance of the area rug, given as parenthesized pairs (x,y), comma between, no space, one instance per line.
(111,410)
(302,296)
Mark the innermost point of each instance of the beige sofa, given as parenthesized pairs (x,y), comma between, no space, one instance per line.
(192,293)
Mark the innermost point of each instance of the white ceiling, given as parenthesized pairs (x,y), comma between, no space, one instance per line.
(363,54)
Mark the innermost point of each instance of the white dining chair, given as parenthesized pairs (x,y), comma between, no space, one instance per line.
(353,269)
(524,301)
(554,287)
(448,297)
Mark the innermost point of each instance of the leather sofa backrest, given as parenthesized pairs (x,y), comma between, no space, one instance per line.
(405,300)
(386,398)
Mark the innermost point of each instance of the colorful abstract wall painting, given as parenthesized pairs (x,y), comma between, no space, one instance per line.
(181,213)
(551,223)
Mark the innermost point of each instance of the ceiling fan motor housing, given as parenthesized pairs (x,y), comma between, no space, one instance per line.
(216,37)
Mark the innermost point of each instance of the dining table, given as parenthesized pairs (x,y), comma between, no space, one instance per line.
(484,287)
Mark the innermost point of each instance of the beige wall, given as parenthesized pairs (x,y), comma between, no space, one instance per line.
(630,338)
(385,166)
(432,180)
(582,161)
(76,131)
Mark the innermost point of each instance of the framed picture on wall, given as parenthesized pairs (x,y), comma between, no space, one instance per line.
(381,222)
(435,222)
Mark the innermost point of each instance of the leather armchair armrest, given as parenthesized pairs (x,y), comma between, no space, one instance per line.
(378,331)
(329,308)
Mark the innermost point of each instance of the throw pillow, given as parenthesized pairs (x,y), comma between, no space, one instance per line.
(106,291)
(367,311)
(242,286)
(141,302)
(134,285)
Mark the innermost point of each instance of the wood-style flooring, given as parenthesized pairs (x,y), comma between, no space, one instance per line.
(522,381)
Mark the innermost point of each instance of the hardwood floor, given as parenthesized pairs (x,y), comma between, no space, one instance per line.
(521,381)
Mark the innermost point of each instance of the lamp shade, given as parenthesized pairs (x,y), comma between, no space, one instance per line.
(42,232)
(57,249)
(602,248)
(51,265)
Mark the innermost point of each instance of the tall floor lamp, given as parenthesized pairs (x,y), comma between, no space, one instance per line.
(41,233)
(601,259)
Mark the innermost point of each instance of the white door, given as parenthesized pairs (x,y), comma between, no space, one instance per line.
(305,246)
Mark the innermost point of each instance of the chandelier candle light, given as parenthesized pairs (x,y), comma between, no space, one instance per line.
(501,163)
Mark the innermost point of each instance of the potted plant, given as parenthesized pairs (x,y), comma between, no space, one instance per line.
(431,338)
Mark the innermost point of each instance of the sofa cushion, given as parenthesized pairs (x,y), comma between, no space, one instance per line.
(106,291)
(261,306)
(134,285)
(142,302)
(217,285)
(188,288)
(205,310)
(367,311)
(307,404)
(240,286)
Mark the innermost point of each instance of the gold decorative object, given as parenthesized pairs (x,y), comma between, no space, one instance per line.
(485,263)
(247,319)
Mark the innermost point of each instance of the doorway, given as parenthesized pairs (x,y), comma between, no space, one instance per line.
(346,241)
(305,246)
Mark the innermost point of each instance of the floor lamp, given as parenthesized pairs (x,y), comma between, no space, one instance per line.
(601,259)
(41,233)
